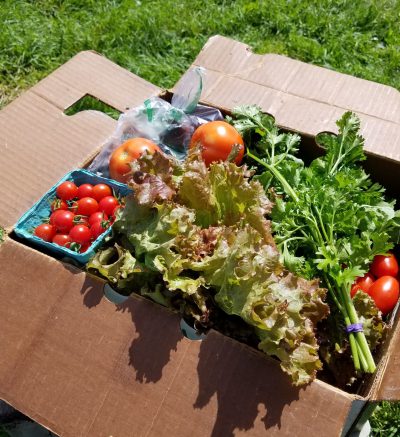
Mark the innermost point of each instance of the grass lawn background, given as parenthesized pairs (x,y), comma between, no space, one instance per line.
(158,40)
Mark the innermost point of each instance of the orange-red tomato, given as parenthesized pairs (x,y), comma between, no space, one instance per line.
(87,206)
(100,191)
(67,190)
(362,283)
(85,190)
(385,292)
(125,154)
(62,240)
(108,204)
(216,139)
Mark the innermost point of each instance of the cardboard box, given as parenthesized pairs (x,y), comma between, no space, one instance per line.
(83,366)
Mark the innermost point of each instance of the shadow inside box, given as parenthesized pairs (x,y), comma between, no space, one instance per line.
(226,369)
(245,387)
(222,370)
(157,336)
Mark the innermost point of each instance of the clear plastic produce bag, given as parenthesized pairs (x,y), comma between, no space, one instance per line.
(169,125)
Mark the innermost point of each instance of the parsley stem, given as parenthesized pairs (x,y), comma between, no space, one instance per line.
(333,294)
(360,336)
(286,186)
(363,361)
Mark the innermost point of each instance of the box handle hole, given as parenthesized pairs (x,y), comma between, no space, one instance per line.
(88,102)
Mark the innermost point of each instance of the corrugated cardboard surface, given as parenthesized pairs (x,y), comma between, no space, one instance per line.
(302,97)
(82,366)
(39,143)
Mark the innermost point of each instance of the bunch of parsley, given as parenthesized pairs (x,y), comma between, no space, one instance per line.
(329,219)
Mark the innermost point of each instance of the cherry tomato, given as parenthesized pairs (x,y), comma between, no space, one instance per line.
(97,217)
(98,228)
(53,215)
(216,139)
(108,204)
(45,231)
(385,292)
(87,206)
(62,240)
(362,283)
(126,153)
(58,204)
(100,191)
(85,190)
(384,265)
(62,220)
(67,190)
(84,247)
(80,234)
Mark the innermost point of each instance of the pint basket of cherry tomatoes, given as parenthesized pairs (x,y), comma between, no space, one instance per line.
(72,219)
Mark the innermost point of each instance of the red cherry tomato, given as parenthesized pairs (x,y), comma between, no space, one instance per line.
(97,217)
(45,231)
(67,190)
(85,190)
(53,215)
(62,220)
(362,283)
(108,204)
(84,247)
(80,234)
(385,292)
(62,240)
(216,139)
(98,228)
(100,191)
(384,265)
(58,204)
(87,206)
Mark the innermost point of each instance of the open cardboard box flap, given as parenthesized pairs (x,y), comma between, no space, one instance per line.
(303,98)
(39,143)
(82,366)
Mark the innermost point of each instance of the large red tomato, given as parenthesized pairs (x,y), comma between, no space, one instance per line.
(216,139)
(126,153)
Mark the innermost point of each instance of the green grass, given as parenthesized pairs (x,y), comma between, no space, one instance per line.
(3,431)
(159,39)
(385,421)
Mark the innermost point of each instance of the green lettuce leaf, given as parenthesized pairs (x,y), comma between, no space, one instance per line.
(204,232)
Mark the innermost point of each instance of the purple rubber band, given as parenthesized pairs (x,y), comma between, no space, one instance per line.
(355,327)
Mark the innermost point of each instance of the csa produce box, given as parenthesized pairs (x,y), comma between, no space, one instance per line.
(84,366)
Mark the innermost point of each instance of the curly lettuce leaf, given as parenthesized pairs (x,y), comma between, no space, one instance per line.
(204,231)
(283,309)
